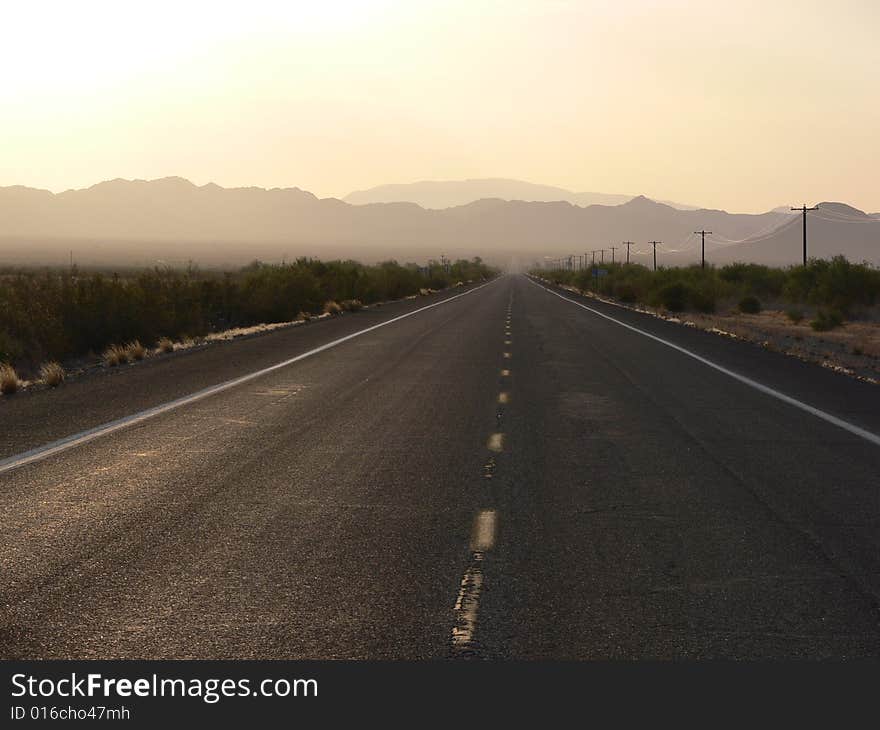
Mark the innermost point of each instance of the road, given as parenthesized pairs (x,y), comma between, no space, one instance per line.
(504,475)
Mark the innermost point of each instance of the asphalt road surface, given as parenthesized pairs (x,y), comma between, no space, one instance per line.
(504,475)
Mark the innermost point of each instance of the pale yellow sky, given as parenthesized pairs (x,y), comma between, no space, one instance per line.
(741,105)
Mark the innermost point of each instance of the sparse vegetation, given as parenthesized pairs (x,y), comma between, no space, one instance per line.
(331,307)
(351,305)
(9,382)
(54,315)
(52,374)
(836,289)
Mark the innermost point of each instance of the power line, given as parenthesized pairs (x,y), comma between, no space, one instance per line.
(628,244)
(613,249)
(723,242)
(771,229)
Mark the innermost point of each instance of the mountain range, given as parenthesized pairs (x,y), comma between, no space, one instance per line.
(438,194)
(172,220)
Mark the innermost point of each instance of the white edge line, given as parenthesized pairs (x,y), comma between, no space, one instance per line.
(77,439)
(834,420)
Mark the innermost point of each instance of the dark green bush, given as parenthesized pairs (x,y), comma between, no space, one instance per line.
(837,284)
(827,320)
(626,293)
(703,299)
(755,279)
(674,296)
(750,305)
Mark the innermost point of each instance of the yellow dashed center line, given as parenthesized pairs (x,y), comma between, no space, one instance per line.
(483,538)
(504,397)
(496,442)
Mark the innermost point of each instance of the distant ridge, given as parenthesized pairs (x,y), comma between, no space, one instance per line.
(440,194)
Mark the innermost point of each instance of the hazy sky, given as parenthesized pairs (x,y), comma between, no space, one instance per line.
(741,105)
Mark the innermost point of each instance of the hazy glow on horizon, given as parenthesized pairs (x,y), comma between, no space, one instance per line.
(742,106)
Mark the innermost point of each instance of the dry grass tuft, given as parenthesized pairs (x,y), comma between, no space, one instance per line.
(114,355)
(352,305)
(135,351)
(424,292)
(165,345)
(331,307)
(52,374)
(303,317)
(9,382)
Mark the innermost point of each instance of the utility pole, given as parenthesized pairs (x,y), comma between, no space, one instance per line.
(613,249)
(628,244)
(594,258)
(654,244)
(703,254)
(803,209)
(601,255)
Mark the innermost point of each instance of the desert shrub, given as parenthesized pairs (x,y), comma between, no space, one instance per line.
(836,284)
(165,345)
(135,351)
(795,315)
(702,299)
(52,374)
(9,382)
(750,305)
(331,307)
(674,297)
(10,348)
(351,305)
(827,319)
(626,293)
(754,279)
(114,355)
